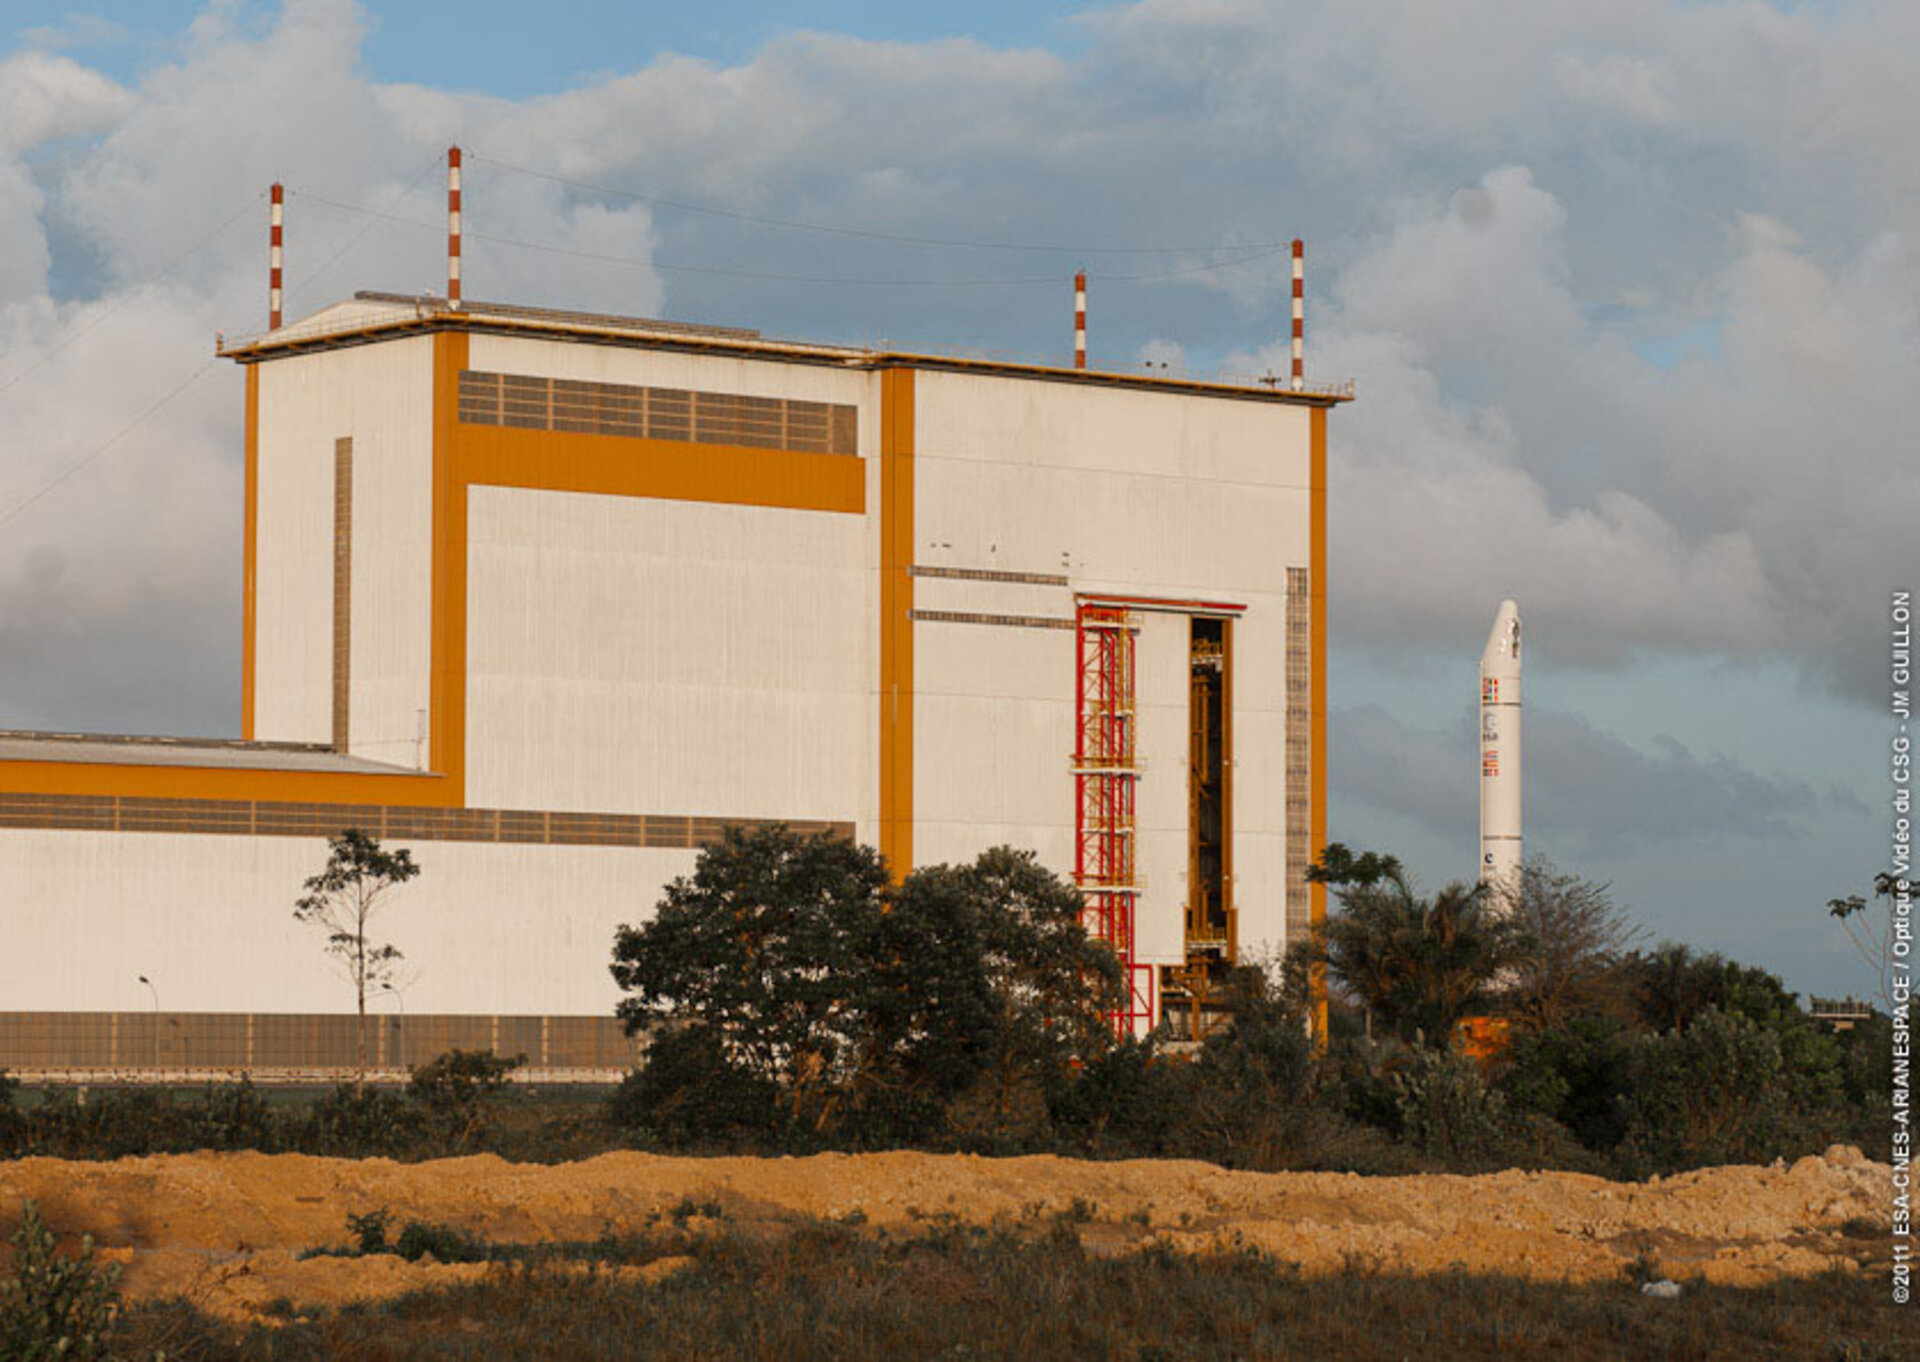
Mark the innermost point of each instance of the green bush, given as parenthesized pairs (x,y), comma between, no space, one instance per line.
(55,1305)
(116,1123)
(454,1087)
(1446,1108)
(443,1243)
(1574,1074)
(129,1122)
(1253,1080)
(13,1125)
(1866,1082)
(234,1116)
(1716,1092)
(1129,1102)
(369,1229)
(1356,1080)
(688,1093)
(356,1123)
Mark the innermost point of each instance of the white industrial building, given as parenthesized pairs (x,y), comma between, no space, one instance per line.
(549,598)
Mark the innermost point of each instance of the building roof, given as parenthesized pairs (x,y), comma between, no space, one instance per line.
(233,754)
(371,316)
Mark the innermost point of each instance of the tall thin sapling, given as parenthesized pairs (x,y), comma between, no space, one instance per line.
(341,899)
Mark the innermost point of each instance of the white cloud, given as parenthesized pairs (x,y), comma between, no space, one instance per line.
(1587,790)
(1502,201)
(44,98)
(1510,441)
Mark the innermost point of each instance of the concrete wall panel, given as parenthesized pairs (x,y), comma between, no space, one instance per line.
(1161,651)
(1137,494)
(641,656)
(381,397)
(485,928)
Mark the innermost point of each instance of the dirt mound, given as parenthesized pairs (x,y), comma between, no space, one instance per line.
(225,1229)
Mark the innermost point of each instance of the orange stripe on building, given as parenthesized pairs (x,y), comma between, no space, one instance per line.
(675,470)
(203,782)
(896,619)
(447,689)
(1317,690)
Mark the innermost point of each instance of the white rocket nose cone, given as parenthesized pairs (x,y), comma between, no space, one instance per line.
(1502,655)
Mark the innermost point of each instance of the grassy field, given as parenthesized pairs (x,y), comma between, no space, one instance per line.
(832,1290)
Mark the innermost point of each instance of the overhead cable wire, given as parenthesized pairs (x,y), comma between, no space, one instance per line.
(872,234)
(109,442)
(1048,280)
(128,295)
(372,216)
(71,469)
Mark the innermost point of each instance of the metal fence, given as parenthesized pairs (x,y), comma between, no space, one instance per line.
(37,1045)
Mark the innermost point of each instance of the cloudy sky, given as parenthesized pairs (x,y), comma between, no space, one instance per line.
(1629,289)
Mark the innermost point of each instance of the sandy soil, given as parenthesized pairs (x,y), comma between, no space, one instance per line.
(226,1229)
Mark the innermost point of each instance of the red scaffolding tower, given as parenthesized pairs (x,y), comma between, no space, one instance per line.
(1106,775)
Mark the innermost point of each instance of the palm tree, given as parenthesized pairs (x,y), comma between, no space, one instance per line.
(1417,964)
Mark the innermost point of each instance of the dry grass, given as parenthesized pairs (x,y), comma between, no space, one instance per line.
(832,1290)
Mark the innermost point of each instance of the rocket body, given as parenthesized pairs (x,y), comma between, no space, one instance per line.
(1500,750)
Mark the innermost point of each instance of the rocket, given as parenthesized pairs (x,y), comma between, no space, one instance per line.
(1500,750)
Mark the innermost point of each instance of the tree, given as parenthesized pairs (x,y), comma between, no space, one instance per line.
(1872,934)
(1418,964)
(1673,987)
(1575,938)
(756,949)
(989,983)
(1340,866)
(793,970)
(1672,984)
(454,1088)
(342,899)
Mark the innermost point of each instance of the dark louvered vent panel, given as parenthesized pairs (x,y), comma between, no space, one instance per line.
(525,402)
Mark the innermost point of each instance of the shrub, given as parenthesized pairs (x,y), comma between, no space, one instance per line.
(13,1125)
(55,1305)
(1446,1108)
(358,1123)
(1252,1079)
(453,1089)
(688,1092)
(117,1123)
(369,1229)
(234,1116)
(1130,1101)
(1356,1080)
(1575,1074)
(443,1243)
(1866,1079)
(1716,1092)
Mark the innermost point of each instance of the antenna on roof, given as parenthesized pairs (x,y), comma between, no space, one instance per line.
(277,198)
(453,227)
(1299,314)
(1080,319)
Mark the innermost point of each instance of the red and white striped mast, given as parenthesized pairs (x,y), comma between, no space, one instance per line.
(453,227)
(276,199)
(1299,314)
(1080,319)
